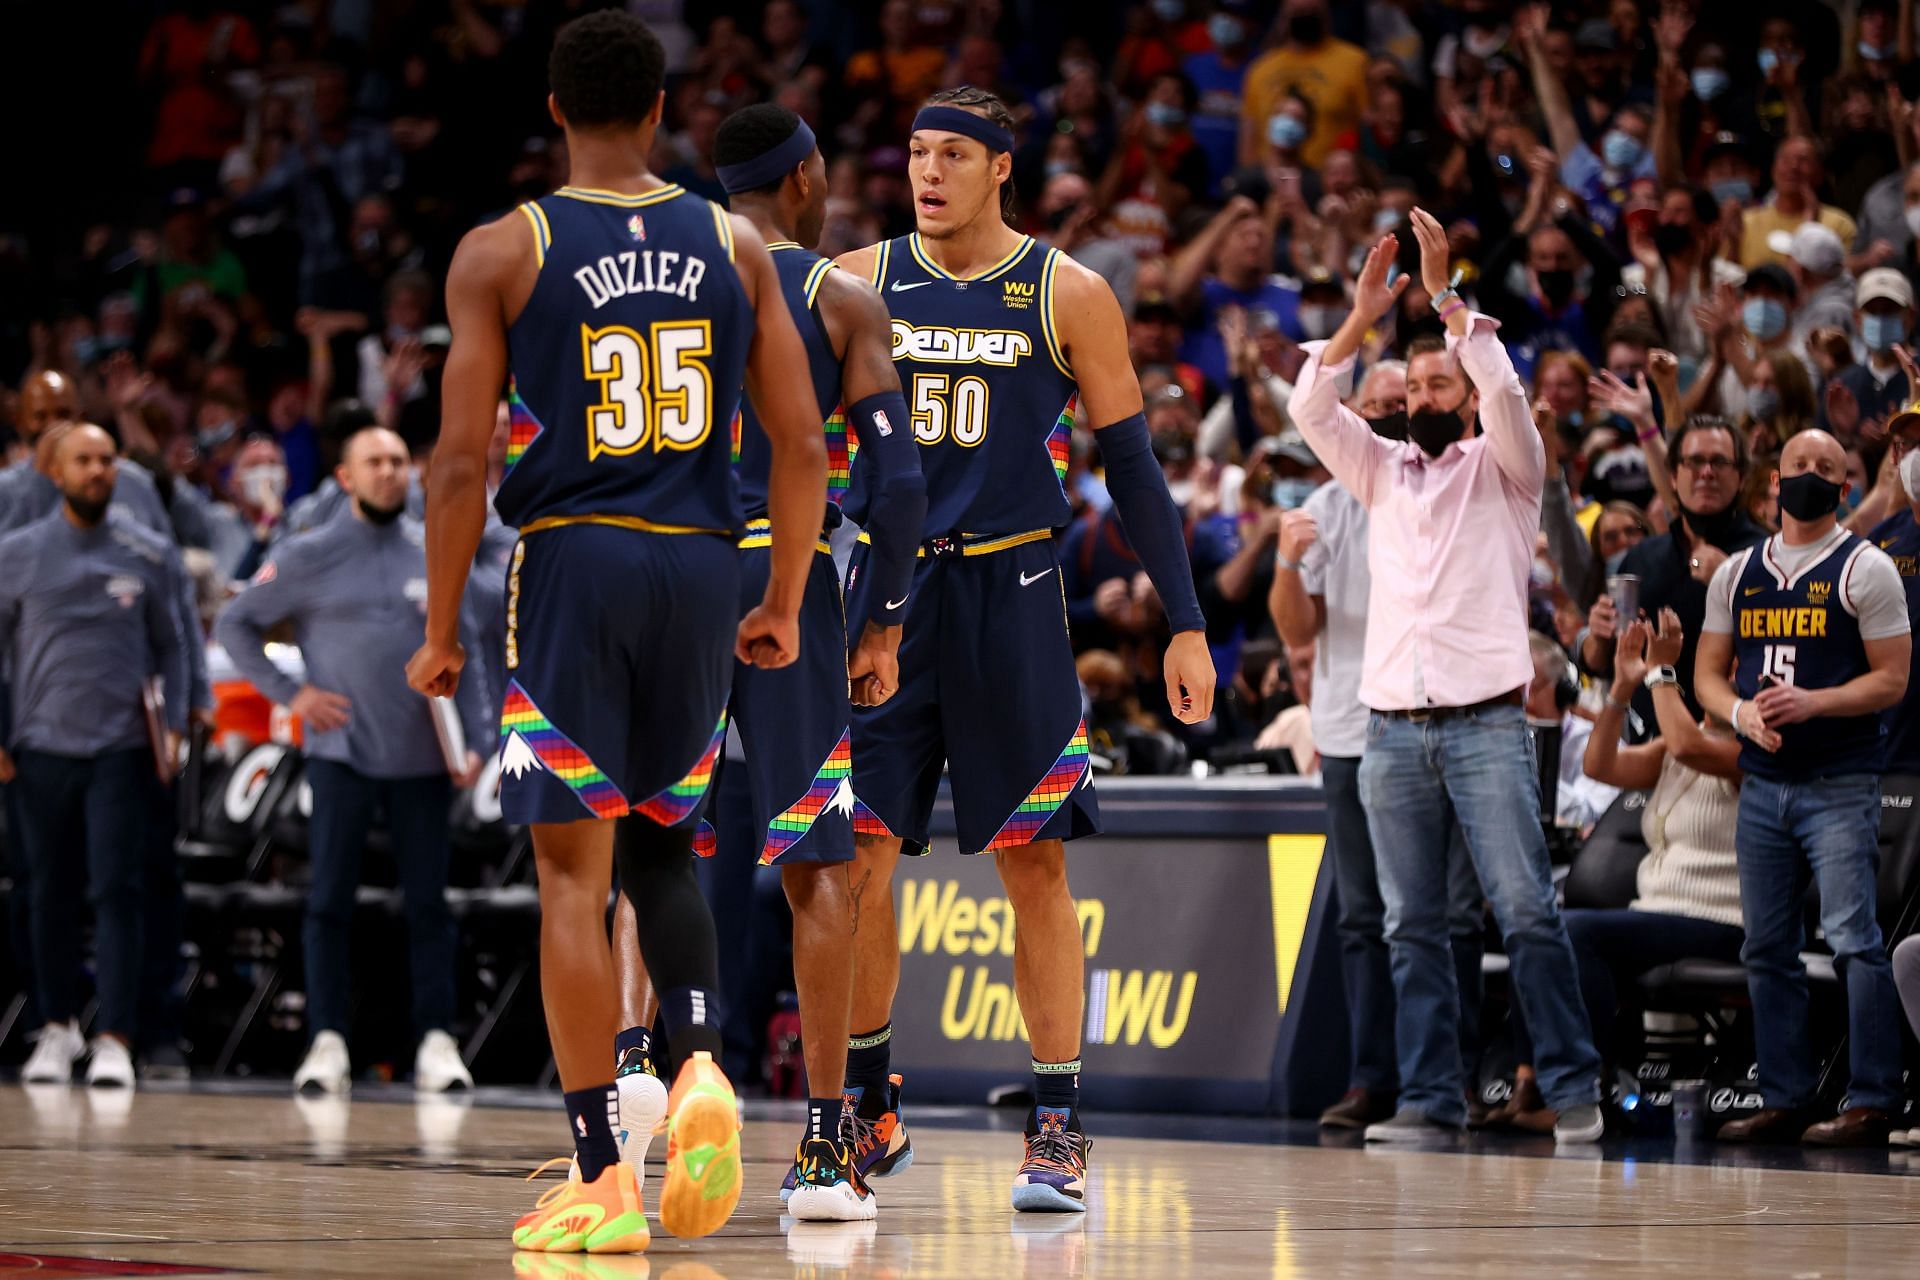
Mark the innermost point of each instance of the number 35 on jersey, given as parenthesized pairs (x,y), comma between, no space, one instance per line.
(656,388)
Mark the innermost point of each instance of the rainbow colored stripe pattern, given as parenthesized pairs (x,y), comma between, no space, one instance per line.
(706,840)
(558,755)
(789,828)
(671,807)
(1046,799)
(735,430)
(841,447)
(524,428)
(1060,440)
(866,822)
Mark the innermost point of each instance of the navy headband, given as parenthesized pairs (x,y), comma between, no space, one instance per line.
(966,124)
(770,167)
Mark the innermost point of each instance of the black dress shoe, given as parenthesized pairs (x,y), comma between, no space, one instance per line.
(1358,1109)
(1858,1127)
(1775,1125)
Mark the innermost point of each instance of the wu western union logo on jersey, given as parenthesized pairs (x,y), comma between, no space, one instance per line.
(1016,295)
(936,344)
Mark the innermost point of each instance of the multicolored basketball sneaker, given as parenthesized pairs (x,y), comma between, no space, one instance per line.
(643,1110)
(879,1141)
(602,1216)
(1054,1177)
(703,1151)
(828,1186)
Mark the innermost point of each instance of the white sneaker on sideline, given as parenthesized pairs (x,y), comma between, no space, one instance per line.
(111,1066)
(326,1068)
(437,1066)
(52,1062)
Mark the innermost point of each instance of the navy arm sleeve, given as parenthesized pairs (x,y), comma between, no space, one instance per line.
(899,501)
(1153,524)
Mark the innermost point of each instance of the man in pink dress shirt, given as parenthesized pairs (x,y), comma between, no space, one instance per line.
(1453,515)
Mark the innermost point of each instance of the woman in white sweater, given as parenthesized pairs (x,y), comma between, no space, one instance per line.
(1688,901)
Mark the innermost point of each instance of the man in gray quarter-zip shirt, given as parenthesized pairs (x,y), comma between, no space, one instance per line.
(355,591)
(86,614)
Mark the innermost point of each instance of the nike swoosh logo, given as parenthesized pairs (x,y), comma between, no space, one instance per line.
(902,288)
(1753,591)
(1025,581)
(895,604)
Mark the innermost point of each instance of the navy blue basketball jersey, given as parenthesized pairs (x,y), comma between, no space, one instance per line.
(627,363)
(801,274)
(987,384)
(1802,631)
(1899,537)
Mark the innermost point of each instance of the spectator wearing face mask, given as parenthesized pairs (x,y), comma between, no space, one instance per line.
(1797,174)
(1741,339)
(256,497)
(1217,75)
(1779,402)
(1540,300)
(1330,73)
(1679,266)
(1876,387)
(1156,172)
(355,592)
(1067,216)
(1600,178)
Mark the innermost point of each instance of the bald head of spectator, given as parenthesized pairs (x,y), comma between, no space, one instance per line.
(46,398)
(1810,501)
(83,466)
(373,471)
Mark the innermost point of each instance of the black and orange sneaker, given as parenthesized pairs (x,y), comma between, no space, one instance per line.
(828,1186)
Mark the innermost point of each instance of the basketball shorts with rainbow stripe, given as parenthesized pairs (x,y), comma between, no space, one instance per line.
(619,662)
(987,689)
(793,722)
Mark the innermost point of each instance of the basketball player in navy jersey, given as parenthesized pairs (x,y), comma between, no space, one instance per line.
(1003,344)
(1813,624)
(794,722)
(629,312)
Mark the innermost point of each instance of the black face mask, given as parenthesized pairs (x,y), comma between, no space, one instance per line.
(1434,429)
(1307,28)
(1715,527)
(1392,426)
(1809,496)
(1556,287)
(1672,240)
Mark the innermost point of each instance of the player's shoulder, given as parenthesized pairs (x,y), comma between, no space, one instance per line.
(494,249)
(845,294)
(861,262)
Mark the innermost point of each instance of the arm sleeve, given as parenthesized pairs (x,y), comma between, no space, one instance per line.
(1152,523)
(1873,593)
(169,642)
(1338,436)
(242,629)
(1504,414)
(1719,616)
(899,501)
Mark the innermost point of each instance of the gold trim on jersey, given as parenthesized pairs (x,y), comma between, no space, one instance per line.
(542,232)
(593,195)
(815,276)
(1048,325)
(782,244)
(633,523)
(998,269)
(978,544)
(760,534)
(882,253)
(723,224)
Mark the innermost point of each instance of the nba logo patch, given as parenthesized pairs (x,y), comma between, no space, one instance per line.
(881,424)
(636,227)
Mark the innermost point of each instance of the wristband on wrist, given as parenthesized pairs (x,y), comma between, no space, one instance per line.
(1291,566)
(1649,433)
(1440,300)
(1733,718)
(1615,703)
(1450,308)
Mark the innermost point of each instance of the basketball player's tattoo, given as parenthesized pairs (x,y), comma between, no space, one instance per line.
(859,889)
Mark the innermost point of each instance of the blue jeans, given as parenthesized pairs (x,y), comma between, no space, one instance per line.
(1826,831)
(1366,969)
(343,803)
(1417,781)
(86,818)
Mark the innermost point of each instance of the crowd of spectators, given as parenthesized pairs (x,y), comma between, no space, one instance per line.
(1699,231)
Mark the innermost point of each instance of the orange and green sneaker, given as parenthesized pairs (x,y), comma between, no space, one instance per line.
(703,1151)
(602,1216)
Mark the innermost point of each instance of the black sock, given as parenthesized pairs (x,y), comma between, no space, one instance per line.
(869,1054)
(592,1114)
(676,933)
(823,1119)
(640,1038)
(1056,1084)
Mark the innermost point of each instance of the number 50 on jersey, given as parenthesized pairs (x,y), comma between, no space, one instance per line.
(655,389)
